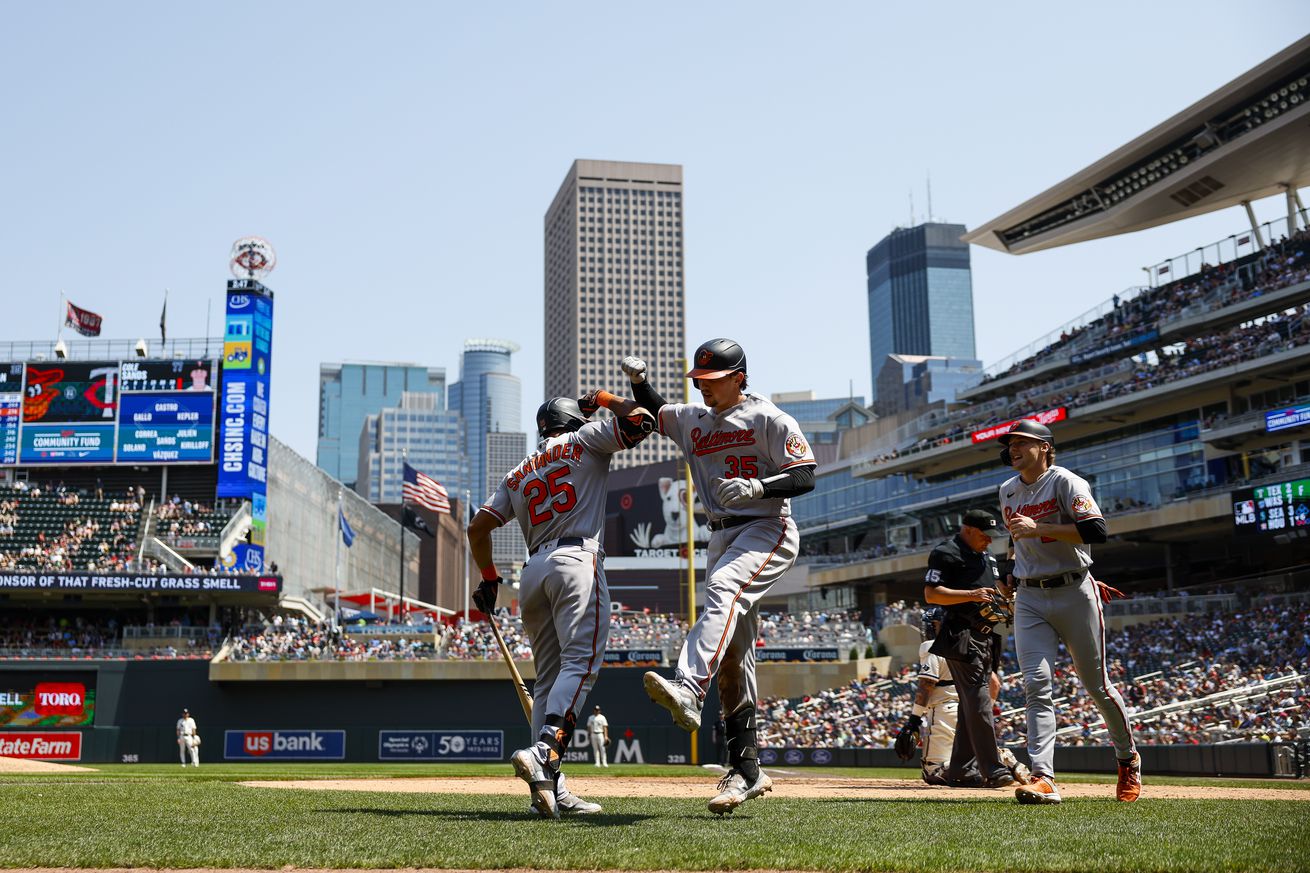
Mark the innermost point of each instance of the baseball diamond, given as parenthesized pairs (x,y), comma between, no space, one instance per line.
(628,527)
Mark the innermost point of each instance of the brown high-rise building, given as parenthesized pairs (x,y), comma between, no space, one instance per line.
(614,284)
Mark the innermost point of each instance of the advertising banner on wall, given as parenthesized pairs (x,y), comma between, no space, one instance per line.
(441,745)
(244,406)
(168,583)
(299,745)
(649,520)
(57,746)
(30,699)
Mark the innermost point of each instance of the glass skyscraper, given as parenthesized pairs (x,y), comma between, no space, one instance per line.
(416,432)
(920,295)
(349,393)
(490,398)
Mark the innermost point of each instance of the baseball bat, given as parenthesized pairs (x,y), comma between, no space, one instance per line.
(525,699)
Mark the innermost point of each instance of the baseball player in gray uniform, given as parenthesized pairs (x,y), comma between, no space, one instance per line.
(1053,520)
(557,494)
(747,459)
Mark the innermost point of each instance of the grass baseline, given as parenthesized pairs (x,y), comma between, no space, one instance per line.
(165,817)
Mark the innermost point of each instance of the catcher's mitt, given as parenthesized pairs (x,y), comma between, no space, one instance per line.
(998,610)
(908,738)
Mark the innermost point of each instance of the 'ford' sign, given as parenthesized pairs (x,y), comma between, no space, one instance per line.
(441,745)
(284,745)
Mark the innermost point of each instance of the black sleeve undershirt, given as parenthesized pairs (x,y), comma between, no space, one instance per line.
(1092,530)
(648,397)
(790,483)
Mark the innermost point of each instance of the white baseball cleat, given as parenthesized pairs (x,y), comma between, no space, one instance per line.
(529,767)
(681,702)
(733,791)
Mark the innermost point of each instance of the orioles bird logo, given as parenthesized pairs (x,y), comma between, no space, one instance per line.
(704,358)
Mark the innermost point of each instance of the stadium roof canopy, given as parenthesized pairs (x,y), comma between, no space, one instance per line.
(1250,139)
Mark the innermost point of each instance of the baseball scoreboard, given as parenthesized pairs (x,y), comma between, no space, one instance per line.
(107,412)
(1273,508)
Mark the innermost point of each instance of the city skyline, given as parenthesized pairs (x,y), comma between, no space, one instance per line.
(614,283)
(386,253)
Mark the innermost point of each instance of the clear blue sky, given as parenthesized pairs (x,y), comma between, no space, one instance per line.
(400,157)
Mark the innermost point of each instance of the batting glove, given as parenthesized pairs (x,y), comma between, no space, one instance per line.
(485,597)
(733,492)
(635,368)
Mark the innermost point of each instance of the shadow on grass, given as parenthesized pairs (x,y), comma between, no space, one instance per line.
(602,819)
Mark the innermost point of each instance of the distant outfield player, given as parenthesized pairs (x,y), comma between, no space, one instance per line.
(188,738)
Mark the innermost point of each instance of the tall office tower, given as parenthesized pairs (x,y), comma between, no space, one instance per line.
(505,450)
(348,393)
(418,431)
(614,284)
(490,398)
(920,295)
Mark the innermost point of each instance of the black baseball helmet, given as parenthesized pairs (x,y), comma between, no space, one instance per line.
(559,413)
(1029,428)
(932,615)
(716,359)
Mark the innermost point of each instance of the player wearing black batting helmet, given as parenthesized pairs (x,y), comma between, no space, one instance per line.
(748,458)
(716,359)
(559,414)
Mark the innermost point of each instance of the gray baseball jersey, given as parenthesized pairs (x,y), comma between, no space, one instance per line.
(559,490)
(1069,614)
(752,440)
(1058,496)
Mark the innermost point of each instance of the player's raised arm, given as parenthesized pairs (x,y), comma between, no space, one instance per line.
(632,422)
(646,395)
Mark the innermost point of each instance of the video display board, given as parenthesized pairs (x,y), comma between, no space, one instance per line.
(1272,508)
(106,412)
(30,699)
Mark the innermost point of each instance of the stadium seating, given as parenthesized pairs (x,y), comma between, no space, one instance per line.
(1284,264)
(57,529)
(1211,666)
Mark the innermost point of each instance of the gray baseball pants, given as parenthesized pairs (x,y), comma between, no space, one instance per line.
(1043,617)
(742,564)
(566,613)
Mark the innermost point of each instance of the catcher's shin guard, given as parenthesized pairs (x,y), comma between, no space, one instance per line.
(743,751)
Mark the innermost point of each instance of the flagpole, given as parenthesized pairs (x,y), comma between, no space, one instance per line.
(336,589)
(63,316)
(404,459)
(163,319)
(464,524)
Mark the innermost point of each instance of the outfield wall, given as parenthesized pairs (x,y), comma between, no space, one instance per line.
(137,705)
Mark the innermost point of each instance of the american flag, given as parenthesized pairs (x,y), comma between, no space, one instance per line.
(425,491)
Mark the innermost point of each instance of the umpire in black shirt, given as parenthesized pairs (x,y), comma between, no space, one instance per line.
(961,577)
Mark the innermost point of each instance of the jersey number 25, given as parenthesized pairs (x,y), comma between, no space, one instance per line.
(560,494)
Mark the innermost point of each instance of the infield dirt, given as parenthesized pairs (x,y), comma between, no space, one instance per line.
(807,787)
(26,765)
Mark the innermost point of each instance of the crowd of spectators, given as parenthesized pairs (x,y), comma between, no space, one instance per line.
(1155,664)
(86,532)
(298,639)
(180,517)
(841,628)
(1202,354)
(1283,263)
(74,635)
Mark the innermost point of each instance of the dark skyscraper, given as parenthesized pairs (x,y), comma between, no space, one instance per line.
(920,295)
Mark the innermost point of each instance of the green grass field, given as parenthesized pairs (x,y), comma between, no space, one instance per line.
(163,816)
